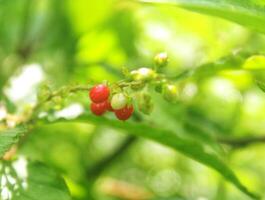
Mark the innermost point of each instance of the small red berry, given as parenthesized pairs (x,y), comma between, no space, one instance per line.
(99,93)
(99,108)
(124,113)
(109,107)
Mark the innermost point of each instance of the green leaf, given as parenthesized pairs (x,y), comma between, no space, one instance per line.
(256,62)
(9,137)
(189,148)
(25,180)
(261,85)
(232,61)
(249,13)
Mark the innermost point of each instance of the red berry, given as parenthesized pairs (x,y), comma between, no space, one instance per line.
(99,93)
(109,107)
(124,113)
(99,108)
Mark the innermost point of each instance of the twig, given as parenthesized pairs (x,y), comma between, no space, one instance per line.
(99,167)
(59,93)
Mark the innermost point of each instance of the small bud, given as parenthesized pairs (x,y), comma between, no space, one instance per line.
(125,71)
(143,74)
(138,85)
(159,85)
(58,102)
(170,92)
(161,59)
(65,91)
(145,103)
(118,101)
(43,92)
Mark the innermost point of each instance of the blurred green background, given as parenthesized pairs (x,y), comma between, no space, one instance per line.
(62,42)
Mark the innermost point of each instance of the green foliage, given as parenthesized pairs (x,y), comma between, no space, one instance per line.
(26,180)
(9,137)
(189,148)
(53,52)
(247,13)
(261,86)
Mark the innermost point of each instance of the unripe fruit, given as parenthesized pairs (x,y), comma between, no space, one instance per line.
(118,101)
(138,86)
(170,92)
(161,59)
(145,103)
(99,93)
(159,85)
(143,74)
(124,113)
(99,108)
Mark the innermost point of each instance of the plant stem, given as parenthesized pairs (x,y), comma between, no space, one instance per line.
(99,167)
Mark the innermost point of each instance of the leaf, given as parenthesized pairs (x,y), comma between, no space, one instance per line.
(233,61)
(25,180)
(256,66)
(248,13)
(9,137)
(189,148)
(256,62)
(261,85)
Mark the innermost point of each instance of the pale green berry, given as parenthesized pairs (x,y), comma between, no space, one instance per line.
(143,74)
(159,85)
(170,92)
(118,101)
(134,74)
(161,59)
(145,103)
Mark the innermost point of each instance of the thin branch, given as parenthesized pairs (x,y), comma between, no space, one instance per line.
(99,167)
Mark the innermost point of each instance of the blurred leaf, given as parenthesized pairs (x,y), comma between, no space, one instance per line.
(261,85)
(9,137)
(96,46)
(32,181)
(242,79)
(189,148)
(248,13)
(123,22)
(11,107)
(201,131)
(84,15)
(233,61)
(255,62)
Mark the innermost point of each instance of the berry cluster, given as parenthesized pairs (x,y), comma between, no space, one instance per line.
(135,86)
(100,97)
